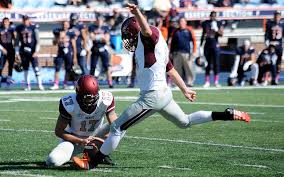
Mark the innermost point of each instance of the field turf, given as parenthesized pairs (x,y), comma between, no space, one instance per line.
(154,147)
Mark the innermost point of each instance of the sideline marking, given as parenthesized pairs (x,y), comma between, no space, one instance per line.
(165,140)
(174,168)
(22,173)
(137,89)
(249,165)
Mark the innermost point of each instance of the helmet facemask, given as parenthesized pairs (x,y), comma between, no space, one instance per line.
(87,101)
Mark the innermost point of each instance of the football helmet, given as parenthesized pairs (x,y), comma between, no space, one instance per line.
(18,67)
(129,30)
(201,62)
(87,90)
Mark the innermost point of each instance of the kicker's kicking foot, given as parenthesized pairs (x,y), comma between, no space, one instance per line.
(238,115)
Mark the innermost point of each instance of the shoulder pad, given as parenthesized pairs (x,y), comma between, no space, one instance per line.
(68,102)
(106,97)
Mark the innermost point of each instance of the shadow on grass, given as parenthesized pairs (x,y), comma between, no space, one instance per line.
(32,165)
(39,165)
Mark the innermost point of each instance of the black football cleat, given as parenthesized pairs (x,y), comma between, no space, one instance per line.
(107,161)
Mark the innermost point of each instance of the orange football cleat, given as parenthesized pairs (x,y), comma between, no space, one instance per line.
(239,115)
(81,163)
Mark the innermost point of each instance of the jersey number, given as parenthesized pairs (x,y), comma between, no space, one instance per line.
(92,124)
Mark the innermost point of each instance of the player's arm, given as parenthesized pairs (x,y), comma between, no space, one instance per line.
(3,50)
(17,46)
(74,47)
(253,57)
(189,94)
(266,34)
(203,34)
(221,30)
(234,71)
(37,48)
(145,28)
(63,120)
(84,32)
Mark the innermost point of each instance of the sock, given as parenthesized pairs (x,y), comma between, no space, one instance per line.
(111,143)
(222,116)
(207,78)
(216,79)
(65,82)
(27,78)
(109,82)
(39,81)
(56,82)
(277,77)
(200,117)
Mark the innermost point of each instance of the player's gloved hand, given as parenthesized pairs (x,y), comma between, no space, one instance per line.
(190,95)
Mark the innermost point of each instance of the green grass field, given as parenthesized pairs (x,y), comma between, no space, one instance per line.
(154,147)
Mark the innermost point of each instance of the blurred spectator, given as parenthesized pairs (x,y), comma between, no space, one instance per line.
(27,49)
(212,30)
(269,1)
(183,49)
(5,4)
(81,51)
(161,7)
(65,40)
(7,51)
(267,63)
(245,62)
(115,22)
(186,3)
(99,34)
(274,34)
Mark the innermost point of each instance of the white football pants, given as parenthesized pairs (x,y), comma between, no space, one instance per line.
(160,101)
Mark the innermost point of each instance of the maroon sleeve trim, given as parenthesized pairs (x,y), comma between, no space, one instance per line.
(153,39)
(63,113)
(169,66)
(111,106)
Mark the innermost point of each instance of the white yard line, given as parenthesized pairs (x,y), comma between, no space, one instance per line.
(121,98)
(48,118)
(165,140)
(22,110)
(254,166)
(233,104)
(267,121)
(5,120)
(174,168)
(135,89)
(101,170)
(206,143)
(22,173)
